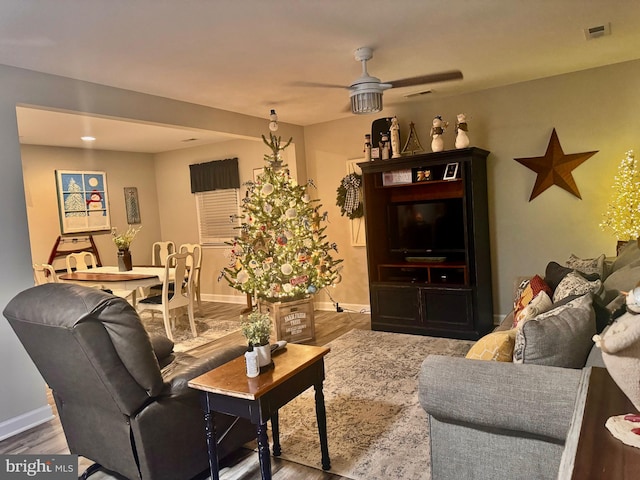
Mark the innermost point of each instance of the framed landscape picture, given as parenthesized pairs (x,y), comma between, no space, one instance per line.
(83,202)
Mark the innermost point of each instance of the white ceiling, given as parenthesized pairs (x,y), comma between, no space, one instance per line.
(248,56)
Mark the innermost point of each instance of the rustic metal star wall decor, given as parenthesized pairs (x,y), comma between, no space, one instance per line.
(555,168)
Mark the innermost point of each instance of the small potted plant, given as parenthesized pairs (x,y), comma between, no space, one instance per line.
(123,242)
(256,327)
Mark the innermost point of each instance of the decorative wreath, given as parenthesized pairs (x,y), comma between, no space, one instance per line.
(348,198)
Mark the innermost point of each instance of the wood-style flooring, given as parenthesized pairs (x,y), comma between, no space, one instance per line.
(48,438)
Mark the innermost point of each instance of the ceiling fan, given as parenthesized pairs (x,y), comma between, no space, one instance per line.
(366,91)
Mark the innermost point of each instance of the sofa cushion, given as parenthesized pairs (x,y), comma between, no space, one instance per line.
(575,284)
(555,273)
(496,346)
(560,337)
(621,280)
(629,254)
(587,265)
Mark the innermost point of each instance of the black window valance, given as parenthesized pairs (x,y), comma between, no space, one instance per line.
(215,175)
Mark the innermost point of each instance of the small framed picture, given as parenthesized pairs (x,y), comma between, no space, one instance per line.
(451,171)
(256,173)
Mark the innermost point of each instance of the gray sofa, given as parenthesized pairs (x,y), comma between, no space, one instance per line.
(500,420)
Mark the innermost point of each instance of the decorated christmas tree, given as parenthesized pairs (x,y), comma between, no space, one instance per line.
(281,252)
(623,211)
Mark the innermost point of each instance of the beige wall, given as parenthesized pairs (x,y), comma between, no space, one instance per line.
(590,110)
(123,169)
(177,204)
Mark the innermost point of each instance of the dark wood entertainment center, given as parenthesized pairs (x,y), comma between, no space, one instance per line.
(439,285)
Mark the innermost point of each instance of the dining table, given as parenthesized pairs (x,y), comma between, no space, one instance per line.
(123,284)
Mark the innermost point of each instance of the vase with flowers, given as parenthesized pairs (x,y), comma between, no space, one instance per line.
(256,327)
(123,243)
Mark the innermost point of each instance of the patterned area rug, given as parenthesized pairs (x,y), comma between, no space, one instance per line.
(208,330)
(376,427)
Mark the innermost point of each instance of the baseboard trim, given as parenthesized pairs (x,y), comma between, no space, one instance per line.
(24,422)
(322,306)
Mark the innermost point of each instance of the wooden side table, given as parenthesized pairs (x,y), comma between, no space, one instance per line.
(591,452)
(227,389)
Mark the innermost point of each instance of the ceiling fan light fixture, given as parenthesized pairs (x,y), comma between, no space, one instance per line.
(368,101)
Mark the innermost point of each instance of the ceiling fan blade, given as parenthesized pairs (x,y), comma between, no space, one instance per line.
(316,84)
(424,79)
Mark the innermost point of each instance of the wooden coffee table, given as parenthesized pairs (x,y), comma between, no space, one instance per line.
(227,389)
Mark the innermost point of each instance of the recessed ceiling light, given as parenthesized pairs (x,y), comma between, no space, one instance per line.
(88,138)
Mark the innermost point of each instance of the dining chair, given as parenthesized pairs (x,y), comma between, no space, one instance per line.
(44,273)
(195,249)
(175,295)
(160,251)
(81,261)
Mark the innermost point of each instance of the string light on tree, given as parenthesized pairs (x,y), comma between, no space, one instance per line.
(623,210)
(282,252)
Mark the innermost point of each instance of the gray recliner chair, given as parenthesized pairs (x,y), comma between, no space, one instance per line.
(116,405)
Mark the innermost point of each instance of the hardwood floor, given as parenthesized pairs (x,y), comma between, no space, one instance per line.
(49,438)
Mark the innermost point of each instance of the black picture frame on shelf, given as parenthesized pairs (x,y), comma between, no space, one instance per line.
(450,172)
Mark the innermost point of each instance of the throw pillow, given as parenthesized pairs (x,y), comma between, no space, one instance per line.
(540,304)
(622,280)
(496,346)
(587,265)
(554,273)
(560,337)
(575,284)
(527,291)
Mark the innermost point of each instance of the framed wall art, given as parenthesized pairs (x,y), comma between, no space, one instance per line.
(83,201)
(132,206)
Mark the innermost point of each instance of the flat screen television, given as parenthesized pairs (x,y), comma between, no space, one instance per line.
(426,227)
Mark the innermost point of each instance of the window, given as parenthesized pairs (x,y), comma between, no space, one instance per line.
(217,215)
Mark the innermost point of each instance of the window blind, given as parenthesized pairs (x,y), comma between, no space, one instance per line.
(217,215)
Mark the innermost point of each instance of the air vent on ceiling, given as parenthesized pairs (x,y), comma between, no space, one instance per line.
(597,31)
(416,94)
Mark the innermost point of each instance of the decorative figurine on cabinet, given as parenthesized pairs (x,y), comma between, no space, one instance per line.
(462,139)
(437,130)
(395,137)
(384,147)
(367,147)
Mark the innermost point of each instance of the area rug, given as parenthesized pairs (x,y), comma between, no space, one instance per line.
(208,329)
(376,426)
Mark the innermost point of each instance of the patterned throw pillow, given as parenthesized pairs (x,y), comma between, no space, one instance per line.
(575,284)
(527,291)
(496,346)
(587,265)
(538,305)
